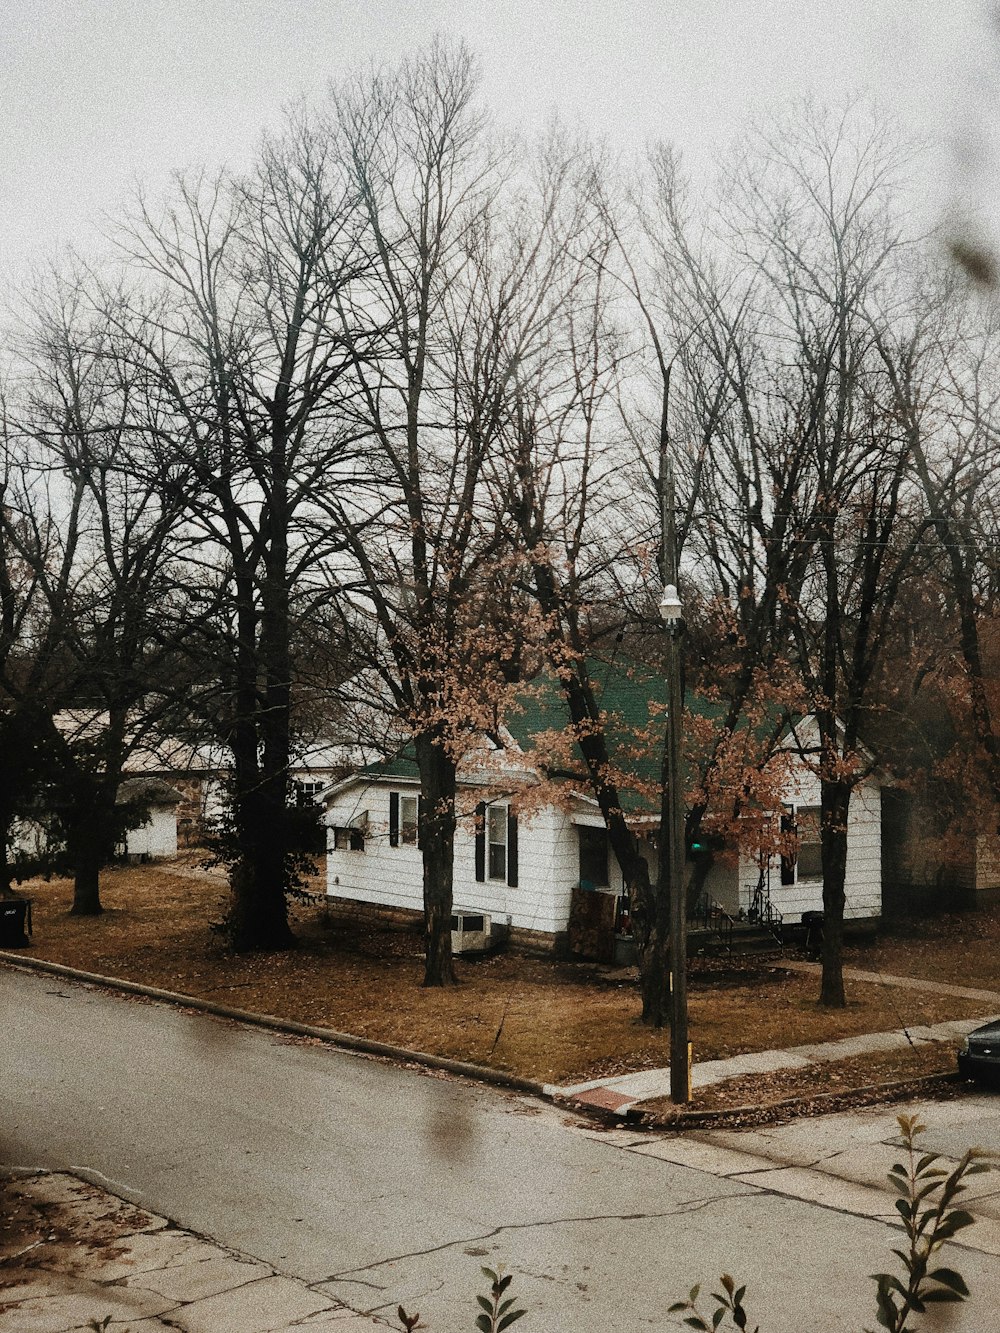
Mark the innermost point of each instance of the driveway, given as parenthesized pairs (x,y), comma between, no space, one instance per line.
(390,1184)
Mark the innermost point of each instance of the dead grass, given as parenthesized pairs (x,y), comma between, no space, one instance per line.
(763,1090)
(961,948)
(555,1022)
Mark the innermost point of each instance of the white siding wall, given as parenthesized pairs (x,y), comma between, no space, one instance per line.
(158,837)
(548,865)
(721,883)
(863,880)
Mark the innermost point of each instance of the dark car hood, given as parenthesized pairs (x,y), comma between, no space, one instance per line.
(988,1032)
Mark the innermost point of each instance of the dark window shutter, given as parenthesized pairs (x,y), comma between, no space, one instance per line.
(394,819)
(788,862)
(481,841)
(511,849)
(420,820)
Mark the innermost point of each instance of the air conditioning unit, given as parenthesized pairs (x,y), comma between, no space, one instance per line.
(471,932)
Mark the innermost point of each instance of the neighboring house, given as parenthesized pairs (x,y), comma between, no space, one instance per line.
(928,866)
(154,839)
(797,885)
(200,774)
(195,772)
(156,836)
(522,869)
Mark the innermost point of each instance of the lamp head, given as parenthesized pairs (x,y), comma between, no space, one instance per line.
(670,605)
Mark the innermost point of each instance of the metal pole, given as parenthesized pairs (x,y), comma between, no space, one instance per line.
(672,809)
(674,850)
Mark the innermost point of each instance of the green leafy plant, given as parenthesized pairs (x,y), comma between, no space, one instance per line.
(928,1193)
(497,1313)
(728,1301)
(496,1310)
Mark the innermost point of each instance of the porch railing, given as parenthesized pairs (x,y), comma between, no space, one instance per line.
(760,911)
(708,914)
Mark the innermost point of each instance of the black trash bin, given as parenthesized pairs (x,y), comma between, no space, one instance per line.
(15,923)
(813,923)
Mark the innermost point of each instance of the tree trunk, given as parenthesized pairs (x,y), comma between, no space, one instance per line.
(258,913)
(438,784)
(835,801)
(87,881)
(6,834)
(258,917)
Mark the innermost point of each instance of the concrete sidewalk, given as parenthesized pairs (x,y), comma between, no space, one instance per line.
(71,1253)
(904,983)
(619,1092)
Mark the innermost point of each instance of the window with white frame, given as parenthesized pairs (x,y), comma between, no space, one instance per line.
(496,835)
(804,861)
(496,843)
(404,819)
(408,819)
(810,858)
(308,790)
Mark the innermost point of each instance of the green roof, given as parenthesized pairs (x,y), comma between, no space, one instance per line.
(401,765)
(632,701)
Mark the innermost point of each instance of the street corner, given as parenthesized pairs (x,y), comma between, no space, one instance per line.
(72,1255)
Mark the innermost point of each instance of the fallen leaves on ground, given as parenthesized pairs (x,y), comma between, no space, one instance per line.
(557,1022)
(761,1090)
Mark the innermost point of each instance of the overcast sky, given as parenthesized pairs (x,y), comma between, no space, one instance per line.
(96,93)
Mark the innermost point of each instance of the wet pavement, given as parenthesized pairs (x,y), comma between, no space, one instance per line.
(82,1256)
(374,1184)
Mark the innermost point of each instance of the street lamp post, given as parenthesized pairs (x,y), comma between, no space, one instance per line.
(672,848)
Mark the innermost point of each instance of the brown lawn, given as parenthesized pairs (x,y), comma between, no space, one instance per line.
(835,1076)
(556,1022)
(961,948)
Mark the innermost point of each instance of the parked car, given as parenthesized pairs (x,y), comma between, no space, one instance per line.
(979,1054)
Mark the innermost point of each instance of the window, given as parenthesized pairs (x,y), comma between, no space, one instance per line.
(404,820)
(805,860)
(496,821)
(594,856)
(306,792)
(348,840)
(810,863)
(496,843)
(408,819)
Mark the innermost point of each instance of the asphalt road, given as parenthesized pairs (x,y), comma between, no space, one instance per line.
(395,1185)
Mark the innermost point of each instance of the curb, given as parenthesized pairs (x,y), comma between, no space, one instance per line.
(344,1040)
(870,1093)
(630,1117)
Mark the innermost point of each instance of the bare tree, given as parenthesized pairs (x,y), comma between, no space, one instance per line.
(98,539)
(244,369)
(458,295)
(940,368)
(808,521)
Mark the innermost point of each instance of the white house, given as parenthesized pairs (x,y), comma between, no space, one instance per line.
(521,871)
(156,836)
